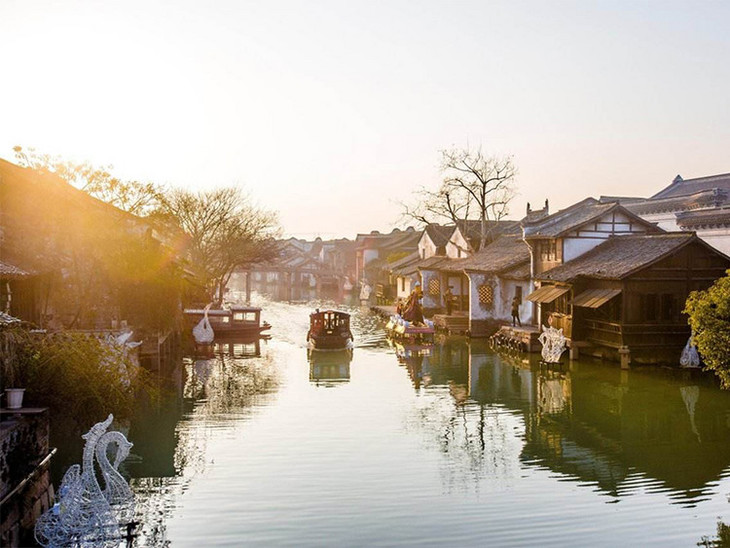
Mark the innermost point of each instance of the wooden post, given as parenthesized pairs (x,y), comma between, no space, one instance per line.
(248,287)
(625,355)
(574,351)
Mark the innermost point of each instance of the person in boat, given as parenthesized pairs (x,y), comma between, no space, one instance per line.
(412,311)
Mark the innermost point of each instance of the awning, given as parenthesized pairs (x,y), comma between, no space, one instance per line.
(547,293)
(593,298)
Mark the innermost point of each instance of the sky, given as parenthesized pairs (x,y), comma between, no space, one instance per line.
(333,113)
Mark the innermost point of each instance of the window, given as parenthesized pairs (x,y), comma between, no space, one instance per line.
(486,295)
(434,287)
(518,293)
(649,306)
(669,307)
(549,250)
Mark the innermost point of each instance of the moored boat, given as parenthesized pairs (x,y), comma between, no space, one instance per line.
(234,321)
(399,328)
(329,330)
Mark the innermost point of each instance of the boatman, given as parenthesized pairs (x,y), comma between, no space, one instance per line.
(412,311)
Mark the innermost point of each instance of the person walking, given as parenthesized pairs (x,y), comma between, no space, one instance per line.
(516,311)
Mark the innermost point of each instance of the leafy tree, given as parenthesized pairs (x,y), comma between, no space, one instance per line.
(475,187)
(709,317)
(136,197)
(226,230)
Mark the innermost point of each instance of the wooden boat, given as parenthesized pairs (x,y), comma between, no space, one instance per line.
(401,329)
(235,321)
(329,330)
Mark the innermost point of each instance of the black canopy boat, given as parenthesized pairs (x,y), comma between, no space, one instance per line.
(329,330)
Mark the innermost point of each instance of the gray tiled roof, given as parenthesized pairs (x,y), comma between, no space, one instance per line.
(433,263)
(718,216)
(439,234)
(575,216)
(504,253)
(620,256)
(701,199)
(684,187)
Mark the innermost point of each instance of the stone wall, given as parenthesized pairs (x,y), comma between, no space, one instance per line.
(23,446)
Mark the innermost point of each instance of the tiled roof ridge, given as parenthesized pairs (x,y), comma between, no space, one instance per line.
(636,236)
(679,183)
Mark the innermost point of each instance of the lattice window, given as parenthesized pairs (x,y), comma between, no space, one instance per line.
(434,287)
(486,295)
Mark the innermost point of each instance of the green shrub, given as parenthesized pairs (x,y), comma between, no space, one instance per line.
(78,376)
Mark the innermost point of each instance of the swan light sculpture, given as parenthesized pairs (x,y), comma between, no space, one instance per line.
(203,332)
(553,344)
(116,489)
(83,516)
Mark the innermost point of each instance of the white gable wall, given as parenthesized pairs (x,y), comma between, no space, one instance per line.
(589,235)
(457,247)
(426,247)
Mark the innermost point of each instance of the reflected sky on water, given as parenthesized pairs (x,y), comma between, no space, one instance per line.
(431,446)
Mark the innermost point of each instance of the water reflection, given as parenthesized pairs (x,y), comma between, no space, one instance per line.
(617,431)
(329,368)
(429,434)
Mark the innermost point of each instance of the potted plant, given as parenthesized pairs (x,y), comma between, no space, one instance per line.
(15,359)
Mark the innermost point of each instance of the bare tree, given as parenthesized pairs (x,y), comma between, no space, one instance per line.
(474,187)
(227,231)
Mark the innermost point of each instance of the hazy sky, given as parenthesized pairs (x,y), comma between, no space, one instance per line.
(331,112)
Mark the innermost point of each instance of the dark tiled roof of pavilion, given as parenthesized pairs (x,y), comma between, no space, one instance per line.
(620,256)
(505,252)
(719,216)
(576,215)
(685,187)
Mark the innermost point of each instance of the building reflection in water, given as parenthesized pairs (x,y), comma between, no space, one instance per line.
(329,368)
(617,431)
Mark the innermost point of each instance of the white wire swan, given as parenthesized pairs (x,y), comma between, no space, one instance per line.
(203,332)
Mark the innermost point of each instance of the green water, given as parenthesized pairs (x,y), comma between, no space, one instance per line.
(453,445)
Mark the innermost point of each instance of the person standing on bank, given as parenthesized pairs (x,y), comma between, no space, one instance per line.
(449,300)
(516,311)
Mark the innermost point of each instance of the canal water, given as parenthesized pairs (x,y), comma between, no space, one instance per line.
(452,445)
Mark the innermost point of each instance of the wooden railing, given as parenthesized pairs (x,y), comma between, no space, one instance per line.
(633,335)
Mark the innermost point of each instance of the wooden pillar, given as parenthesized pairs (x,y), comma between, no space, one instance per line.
(574,351)
(625,355)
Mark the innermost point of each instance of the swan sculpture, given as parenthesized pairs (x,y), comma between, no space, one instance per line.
(116,489)
(553,344)
(690,357)
(203,332)
(82,516)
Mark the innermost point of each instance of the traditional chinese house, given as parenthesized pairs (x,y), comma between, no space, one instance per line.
(567,235)
(495,275)
(626,295)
